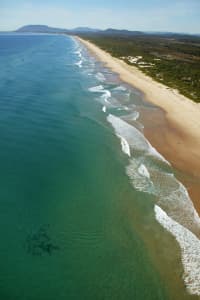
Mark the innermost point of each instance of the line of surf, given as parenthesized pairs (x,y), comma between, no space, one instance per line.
(80,62)
(106,94)
(190,249)
(181,218)
(134,137)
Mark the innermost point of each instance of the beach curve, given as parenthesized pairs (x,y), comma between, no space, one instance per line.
(181,114)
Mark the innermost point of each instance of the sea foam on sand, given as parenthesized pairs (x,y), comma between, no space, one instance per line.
(173,195)
(181,216)
(100,76)
(106,94)
(190,249)
(170,194)
(125,145)
(104,109)
(79,53)
(142,170)
(134,137)
(120,88)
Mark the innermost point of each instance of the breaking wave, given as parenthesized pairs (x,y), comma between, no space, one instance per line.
(100,77)
(151,173)
(139,176)
(176,211)
(120,88)
(106,94)
(96,89)
(125,145)
(190,249)
(80,62)
(104,109)
(135,138)
(133,116)
(142,170)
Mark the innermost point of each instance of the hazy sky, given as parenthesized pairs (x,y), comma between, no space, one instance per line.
(152,15)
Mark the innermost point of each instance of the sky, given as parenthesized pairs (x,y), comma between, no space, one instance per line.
(144,15)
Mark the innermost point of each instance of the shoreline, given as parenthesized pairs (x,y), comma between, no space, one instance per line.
(179,139)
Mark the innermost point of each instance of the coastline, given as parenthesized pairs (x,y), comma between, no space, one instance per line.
(179,139)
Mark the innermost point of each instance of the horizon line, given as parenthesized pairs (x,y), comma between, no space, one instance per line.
(100,29)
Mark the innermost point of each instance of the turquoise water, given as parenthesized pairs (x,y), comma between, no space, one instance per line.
(72,224)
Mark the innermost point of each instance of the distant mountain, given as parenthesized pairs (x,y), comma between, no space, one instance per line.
(40,29)
(108,32)
(170,33)
(85,29)
(47,29)
(111,31)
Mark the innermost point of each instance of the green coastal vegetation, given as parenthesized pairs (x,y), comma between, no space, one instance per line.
(172,59)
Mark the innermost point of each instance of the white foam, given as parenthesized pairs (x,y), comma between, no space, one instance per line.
(79,63)
(190,249)
(104,109)
(133,116)
(125,145)
(142,170)
(100,89)
(139,176)
(78,52)
(174,198)
(134,137)
(181,219)
(96,89)
(100,77)
(154,152)
(170,193)
(120,88)
(75,42)
(106,95)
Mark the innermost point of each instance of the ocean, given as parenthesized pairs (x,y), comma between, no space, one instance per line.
(88,208)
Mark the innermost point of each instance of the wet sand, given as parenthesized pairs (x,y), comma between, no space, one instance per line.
(170,141)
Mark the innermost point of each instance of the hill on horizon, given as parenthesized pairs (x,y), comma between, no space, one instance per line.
(109,31)
(48,29)
(39,28)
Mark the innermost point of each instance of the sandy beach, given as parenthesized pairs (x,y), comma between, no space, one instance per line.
(175,131)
